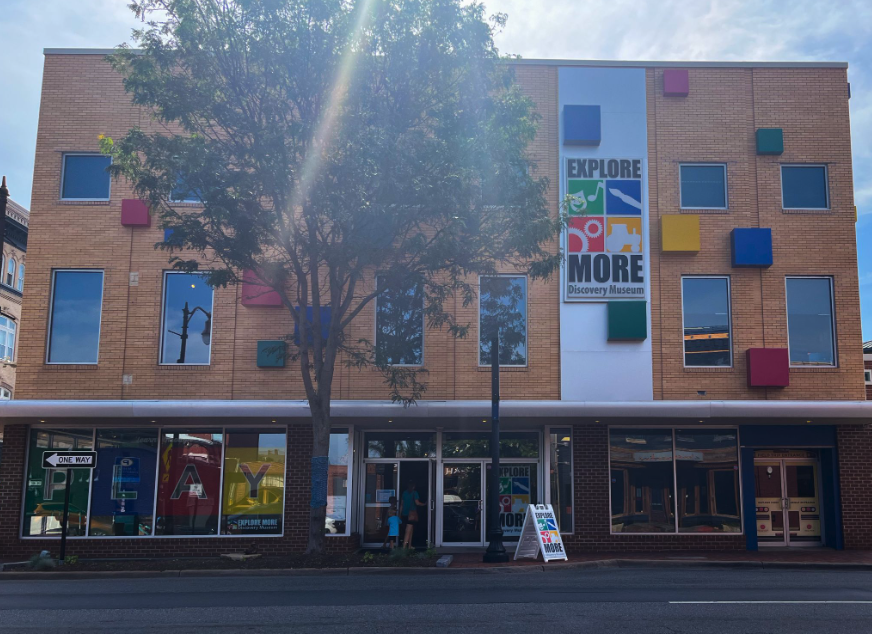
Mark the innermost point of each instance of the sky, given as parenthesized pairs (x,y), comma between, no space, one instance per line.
(751,30)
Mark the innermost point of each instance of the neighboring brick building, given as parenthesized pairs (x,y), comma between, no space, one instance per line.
(11,287)
(701,343)
(867,368)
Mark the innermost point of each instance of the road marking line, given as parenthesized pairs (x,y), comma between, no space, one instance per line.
(698,602)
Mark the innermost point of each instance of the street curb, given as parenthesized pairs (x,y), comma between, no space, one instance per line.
(532,569)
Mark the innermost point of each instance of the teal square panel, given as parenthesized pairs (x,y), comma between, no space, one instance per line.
(628,321)
(770,141)
(271,354)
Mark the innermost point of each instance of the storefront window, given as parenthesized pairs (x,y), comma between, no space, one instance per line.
(642,485)
(44,495)
(122,497)
(254,483)
(400,445)
(517,490)
(561,477)
(475,444)
(190,483)
(707,471)
(337,482)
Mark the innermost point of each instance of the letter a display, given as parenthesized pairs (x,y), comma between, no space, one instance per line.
(540,534)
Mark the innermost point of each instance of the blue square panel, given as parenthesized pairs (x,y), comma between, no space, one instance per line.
(751,248)
(325,325)
(581,125)
(624,197)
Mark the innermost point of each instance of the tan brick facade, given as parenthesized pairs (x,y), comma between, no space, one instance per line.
(83,97)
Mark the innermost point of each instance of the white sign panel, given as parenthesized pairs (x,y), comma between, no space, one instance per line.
(540,534)
(605,239)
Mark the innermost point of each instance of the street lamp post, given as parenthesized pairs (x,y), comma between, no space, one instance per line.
(496,552)
(187,314)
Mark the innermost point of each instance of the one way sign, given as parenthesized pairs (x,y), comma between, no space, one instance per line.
(69,459)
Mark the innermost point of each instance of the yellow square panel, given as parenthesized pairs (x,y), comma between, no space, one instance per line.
(679,233)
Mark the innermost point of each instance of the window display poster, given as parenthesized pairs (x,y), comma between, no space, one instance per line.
(514,497)
(254,483)
(190,484)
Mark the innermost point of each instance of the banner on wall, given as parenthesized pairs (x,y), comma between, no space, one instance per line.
(514,497)
(605,238)
(254,483)
(189,488)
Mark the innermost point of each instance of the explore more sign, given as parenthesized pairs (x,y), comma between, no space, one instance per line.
(605,236)
(69,459)
(540,534)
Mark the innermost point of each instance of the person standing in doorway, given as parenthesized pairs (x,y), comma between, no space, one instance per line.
(409,511)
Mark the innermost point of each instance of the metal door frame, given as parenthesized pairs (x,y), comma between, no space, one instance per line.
(783,462)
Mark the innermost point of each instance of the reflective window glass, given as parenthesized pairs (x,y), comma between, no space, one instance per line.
(641,461)
(518,489)
(561,477)
(74,327)
(187,319)
(10,272)
(399,329)
(7,339)
(45,488)
(703,186)
(804,187)
(810,335)
(400,444)
(122,496)
(477,444)
(85,177)
(254,482)
(20,284)
(707,472)
(503,308)
(189,487)
(339,462)
(706,310)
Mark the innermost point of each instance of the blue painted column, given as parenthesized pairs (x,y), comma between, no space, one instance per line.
(831,500)
(749,498)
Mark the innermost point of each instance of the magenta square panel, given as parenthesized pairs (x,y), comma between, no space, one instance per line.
(255,294)
(675,82)
(134,213)
(768,367)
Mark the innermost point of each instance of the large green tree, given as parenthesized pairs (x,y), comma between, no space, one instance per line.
(331,141)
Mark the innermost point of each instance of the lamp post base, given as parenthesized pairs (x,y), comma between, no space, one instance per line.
(496,552)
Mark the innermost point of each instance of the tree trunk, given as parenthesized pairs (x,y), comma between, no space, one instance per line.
(319,475)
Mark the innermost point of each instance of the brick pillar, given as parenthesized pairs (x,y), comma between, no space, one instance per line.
(855,477)
(11,486)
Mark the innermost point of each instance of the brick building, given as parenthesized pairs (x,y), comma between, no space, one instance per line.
(11,287)
(691,380)
(867,368)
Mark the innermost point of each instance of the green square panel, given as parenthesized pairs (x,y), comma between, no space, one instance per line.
(271,354)
(770,141)
(628,321)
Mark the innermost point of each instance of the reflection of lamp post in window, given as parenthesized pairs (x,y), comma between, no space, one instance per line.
(187,314)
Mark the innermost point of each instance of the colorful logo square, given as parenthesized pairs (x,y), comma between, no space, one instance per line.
(520,486)
(505,503)
(505,486)
(546,536)
(588,197)
(624,235)
(624,197)
(551,523)
(541,525)
(586,235)
(520,503)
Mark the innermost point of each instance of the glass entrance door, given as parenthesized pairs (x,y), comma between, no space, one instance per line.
(788,502)
(380,485)
(462,503)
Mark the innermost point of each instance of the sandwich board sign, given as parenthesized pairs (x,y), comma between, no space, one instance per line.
(540,534)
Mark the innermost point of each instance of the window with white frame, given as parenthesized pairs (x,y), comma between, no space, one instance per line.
(399,325)
(9,276)
(811,337)
(7,339)
(339,474)
(703,185)
(867,375)
(503,309)
(20,284)
(705,303)
(804,187)
(5,395)
(74,317)
(84,177)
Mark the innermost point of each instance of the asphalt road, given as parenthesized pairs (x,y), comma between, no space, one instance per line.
(635,600)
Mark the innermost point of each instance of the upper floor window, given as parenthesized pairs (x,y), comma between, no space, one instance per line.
(7,339)
(503,308)
(9,275)
(804,187)
(399,326)
(183,193)
(186,331)
(867,376)
(74,318)
(706,313)
(810,322)
(20,284)
(5,395)
(703,186)
(85,177)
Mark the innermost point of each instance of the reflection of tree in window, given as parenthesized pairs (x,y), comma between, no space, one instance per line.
(399,335)
(503,307)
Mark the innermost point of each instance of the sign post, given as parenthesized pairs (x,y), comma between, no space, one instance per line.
(68,460)
(540,534)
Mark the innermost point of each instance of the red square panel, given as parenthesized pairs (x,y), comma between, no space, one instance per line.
(675,82)
(134,213)
(768,367)
(254,294)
